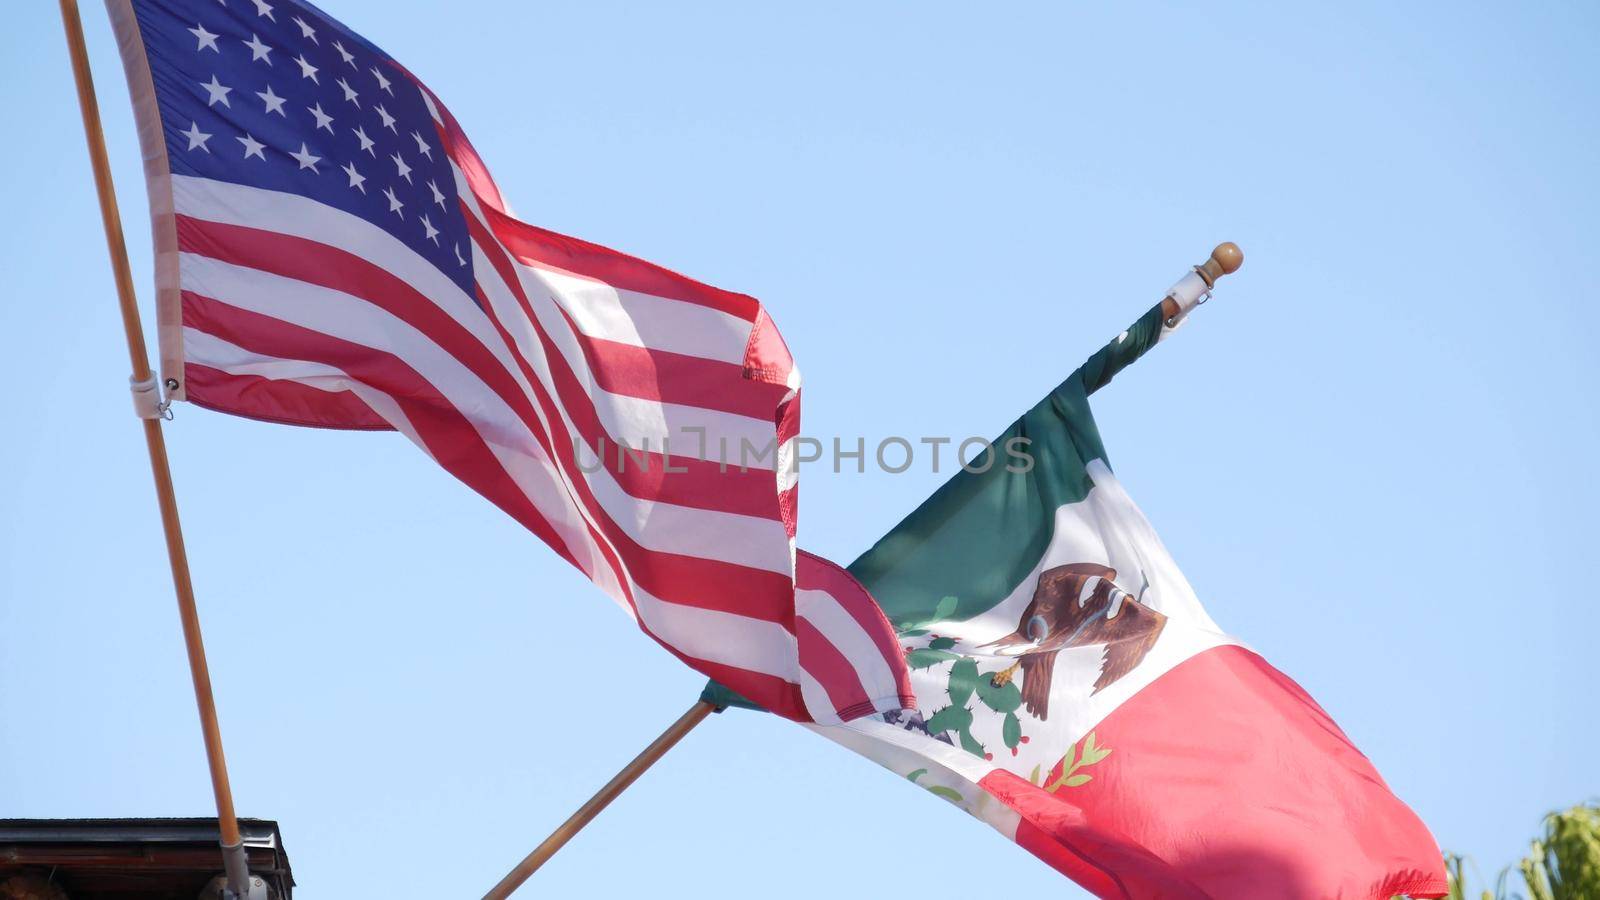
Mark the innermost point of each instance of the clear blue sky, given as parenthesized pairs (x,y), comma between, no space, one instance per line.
(1372,453)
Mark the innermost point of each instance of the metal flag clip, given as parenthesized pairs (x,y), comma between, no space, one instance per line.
(1205,294)
(1190,291)
(147,402)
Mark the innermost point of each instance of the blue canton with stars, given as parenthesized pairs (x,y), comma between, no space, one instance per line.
(274,94)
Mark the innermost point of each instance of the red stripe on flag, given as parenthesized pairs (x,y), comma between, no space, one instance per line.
(788,426)
(766,356)
(780,696)
(455,443)
(701,483)
(831,669)
(675,578)
(540,247)
(575,256)
(690,581)
(569,254)
(731,588)
(789,508)
(668,377)
(788,418)
(813,572)
(445,432)
(649,475)
(279,401)
(460,149)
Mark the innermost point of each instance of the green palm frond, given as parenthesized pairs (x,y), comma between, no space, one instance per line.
(1564,864)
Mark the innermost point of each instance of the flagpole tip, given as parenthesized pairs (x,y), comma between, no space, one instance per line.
(1228,257)
(1225,260)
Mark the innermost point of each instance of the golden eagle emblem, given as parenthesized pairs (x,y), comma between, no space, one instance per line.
(1077,605)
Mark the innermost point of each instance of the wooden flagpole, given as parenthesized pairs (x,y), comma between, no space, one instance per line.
(586,813)
(234,861)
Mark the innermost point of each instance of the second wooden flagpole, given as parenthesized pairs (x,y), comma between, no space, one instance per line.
(586,813)
(234,861)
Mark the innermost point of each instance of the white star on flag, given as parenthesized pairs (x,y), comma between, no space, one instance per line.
(206,38)
(430,232)
(366,142)
(405,170)
(307,70)
(217,93)
(273,101)
(252,147)
(388,120)
(323,119)
(422,146)
(394,202)
(382,81)
(346,54)
(438,195)
(305,159)
(258,49)
(349,92)
(262,9)
(459,258)
(357,180)
(197,138)
(306,31)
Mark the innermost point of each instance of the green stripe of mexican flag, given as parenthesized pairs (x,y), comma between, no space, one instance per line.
(1073,692)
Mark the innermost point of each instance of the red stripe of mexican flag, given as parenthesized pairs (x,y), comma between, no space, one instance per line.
(1074,693)
(1232,783)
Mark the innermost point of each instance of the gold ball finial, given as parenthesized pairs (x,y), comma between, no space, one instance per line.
(1225,260)
(1228,256)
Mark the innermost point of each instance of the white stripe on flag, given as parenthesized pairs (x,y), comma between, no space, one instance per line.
(728,537)
(841,629)
(235,360)
(629,421)
(721,637)
(693,432)
(533,473)
(629,317)
(706,634)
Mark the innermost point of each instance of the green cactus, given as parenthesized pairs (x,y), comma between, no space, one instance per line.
(1011,731)
(1002,699)
(925,658)
(950,718)
(964,682)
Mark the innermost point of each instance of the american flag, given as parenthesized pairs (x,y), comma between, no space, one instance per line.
(330,251)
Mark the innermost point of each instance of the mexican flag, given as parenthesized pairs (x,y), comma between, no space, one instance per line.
(1073,692)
